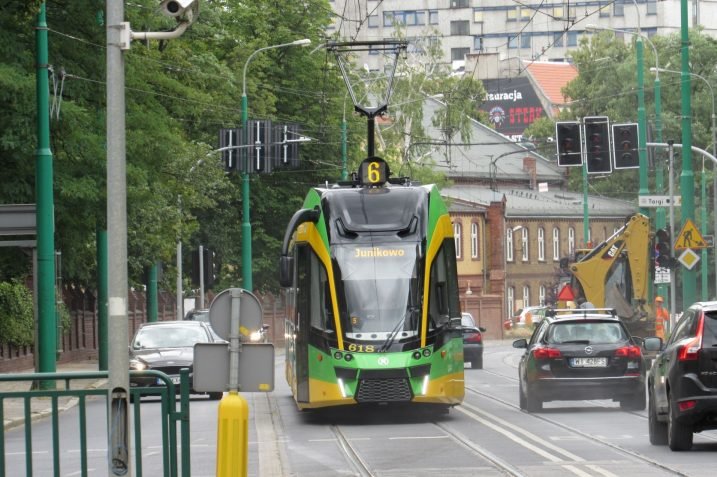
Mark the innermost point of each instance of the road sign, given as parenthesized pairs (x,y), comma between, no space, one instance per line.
(211,367)
(658,200)
(689,259)
(689,237)
(662,275)
(220,314)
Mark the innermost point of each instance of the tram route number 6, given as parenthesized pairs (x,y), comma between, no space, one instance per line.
(373,171)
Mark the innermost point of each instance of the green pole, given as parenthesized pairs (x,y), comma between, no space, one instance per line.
(641,121)
(344,171)
(152,294)
(660,213)
(102,294)
(704,262)
(586,229)
(246,224)
(687,179)
(47,330)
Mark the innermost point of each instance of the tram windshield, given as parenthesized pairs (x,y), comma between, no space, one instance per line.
(378,290)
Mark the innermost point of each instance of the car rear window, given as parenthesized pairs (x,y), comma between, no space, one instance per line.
(710,329)
(588,332)
(467,320)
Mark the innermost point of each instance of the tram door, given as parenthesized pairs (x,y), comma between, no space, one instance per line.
(303,320)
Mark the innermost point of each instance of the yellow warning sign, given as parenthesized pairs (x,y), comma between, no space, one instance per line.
(689,237)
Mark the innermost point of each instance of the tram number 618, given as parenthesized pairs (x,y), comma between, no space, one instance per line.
(359,348)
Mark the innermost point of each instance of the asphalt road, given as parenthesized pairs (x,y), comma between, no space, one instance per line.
(487,435)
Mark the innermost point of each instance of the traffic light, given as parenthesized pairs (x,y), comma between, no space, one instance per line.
(569,143)
(663,249)
(229,138)
(597,142)
(624,137)
(210,264)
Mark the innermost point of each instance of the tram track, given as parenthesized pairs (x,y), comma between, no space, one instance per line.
(573,430)
(350,453)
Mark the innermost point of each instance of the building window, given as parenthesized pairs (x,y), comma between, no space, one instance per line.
(524,244)
(421,17)
(541,295)
(373,21)
(556,244)
(474,241)
(513,41)
(558,13)
(509,245)
(510,301)
(458,54)
(457,231)
(478,43)
(604,9)
(558,38)
(387,19)
(477,16)
(512,14)
(461,27)
(618,8)
(433,17)
(526,14)
(541,244)
(652,7)
(524,40)
(526,296)
(572,38)
(459,3)
(571,241)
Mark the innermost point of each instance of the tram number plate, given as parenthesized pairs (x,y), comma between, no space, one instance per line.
(588,362)
(174,379)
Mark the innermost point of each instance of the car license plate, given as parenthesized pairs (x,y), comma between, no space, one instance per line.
(588,362)
(174,379)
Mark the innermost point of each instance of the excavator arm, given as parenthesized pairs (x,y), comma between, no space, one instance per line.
(615,273)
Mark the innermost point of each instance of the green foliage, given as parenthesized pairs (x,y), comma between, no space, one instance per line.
(16,314)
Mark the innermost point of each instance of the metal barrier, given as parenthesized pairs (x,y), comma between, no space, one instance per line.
(170,417)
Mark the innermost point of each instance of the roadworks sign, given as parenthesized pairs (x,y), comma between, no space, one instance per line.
(689,237)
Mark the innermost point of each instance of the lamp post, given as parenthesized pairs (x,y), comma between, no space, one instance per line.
(713,128)
(246,225)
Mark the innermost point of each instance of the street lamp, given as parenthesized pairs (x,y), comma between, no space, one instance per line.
(713,127)
(246,225)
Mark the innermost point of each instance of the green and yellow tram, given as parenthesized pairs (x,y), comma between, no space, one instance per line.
(373,315)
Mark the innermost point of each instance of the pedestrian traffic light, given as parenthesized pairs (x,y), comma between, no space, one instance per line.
(625,146)
(597,143)
(663,249)
(569,143)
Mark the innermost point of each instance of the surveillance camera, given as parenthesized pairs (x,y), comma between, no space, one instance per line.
(177,8)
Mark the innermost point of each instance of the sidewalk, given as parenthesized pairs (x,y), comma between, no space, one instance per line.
(14,408)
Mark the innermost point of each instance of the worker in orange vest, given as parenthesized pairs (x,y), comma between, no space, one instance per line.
(662,317)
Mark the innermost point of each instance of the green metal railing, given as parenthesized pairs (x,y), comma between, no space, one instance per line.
(170,417)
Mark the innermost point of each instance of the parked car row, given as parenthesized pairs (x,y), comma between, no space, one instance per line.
(589,354)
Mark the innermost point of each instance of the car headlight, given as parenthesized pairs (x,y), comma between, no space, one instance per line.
(137,365)
(255,336)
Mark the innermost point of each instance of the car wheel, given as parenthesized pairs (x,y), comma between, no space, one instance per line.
(522,402)
(634,403)
(215,396)
(477,363)
(679,435)
(656,429)
(533,404)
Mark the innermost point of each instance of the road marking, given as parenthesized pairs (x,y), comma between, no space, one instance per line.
(576,471)
(79,472)
(602,471)
(417,437)
(527,434)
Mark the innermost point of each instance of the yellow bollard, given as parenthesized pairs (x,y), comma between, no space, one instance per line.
(233,436)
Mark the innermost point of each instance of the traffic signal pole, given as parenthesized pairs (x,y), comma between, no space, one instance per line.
(687,178)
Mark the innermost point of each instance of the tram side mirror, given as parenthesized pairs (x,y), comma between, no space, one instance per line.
(286,267)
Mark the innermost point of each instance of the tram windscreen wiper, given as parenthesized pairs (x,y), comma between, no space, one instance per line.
(392,336)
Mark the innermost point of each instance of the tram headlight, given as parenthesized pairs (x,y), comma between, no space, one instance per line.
(348,357)
(416,355)
(338,355)
(426,352)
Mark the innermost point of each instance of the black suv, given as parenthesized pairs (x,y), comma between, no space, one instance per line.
(580,354)
(682,383)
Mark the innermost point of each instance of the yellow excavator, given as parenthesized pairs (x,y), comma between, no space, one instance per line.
(615,274)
